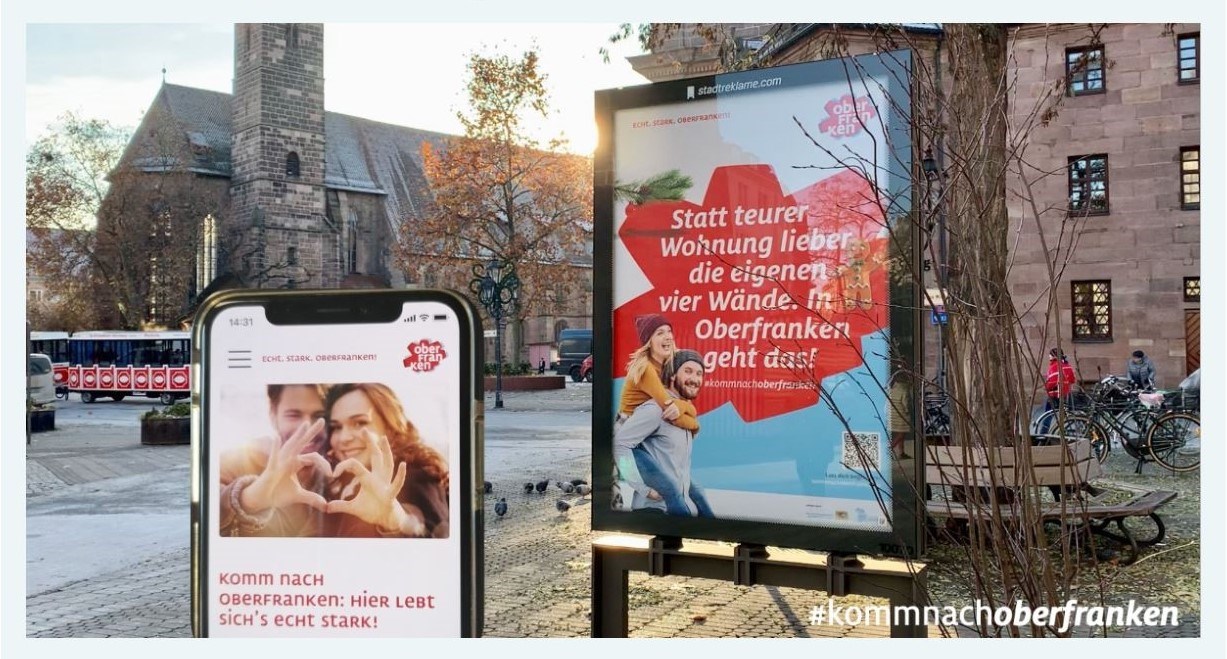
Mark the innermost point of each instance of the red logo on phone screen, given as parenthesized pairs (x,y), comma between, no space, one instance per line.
(424,355)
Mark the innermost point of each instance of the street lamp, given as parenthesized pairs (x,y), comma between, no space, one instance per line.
(933,174)
(498,289)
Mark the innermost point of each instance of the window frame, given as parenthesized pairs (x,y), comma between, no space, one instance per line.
(1196,79)
(1084,185)
(1070,73)
(1196,281)
(1104,336)
(1186,205)
(293,165)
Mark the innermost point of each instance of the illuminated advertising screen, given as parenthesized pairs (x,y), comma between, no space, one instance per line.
(755,301)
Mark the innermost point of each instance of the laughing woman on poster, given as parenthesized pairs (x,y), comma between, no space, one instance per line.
(387,482)
(643,371)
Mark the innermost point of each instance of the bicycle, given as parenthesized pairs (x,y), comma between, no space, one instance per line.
(1113,407)
(1145,429)
(1174,441)
(936,418)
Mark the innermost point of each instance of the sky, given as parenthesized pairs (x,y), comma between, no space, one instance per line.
(405,74)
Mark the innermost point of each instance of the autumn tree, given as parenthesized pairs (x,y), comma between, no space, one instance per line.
(501,194)
(66,181)
(117,224)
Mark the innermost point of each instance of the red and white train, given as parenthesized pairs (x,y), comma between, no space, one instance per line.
(116,364)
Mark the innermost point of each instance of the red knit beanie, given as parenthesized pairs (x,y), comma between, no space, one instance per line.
(647,326)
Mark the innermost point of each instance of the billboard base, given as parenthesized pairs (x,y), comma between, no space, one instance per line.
(615,557)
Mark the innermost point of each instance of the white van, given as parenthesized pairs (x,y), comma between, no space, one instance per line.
(40,383)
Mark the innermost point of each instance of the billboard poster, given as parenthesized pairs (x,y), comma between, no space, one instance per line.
(751,225)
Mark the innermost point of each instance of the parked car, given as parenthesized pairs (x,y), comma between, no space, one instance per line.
(585,370)
(1190,392)
(40,383)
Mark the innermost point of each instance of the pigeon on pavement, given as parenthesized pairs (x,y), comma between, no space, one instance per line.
(487,487)
(562,506)
(500,508)
(578,481)
(542,486)
(565,486)
(583,489)
(528,488)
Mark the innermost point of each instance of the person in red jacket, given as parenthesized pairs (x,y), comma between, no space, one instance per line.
(1060,380)
(1058,383)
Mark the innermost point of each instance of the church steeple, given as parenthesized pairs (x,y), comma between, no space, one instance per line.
(277,154)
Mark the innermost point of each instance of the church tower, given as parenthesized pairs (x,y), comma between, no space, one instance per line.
(277,199)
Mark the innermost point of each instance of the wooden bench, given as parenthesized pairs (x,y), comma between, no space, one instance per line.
(992,480)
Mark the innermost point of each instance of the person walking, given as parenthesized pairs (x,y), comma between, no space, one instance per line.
(1058,382)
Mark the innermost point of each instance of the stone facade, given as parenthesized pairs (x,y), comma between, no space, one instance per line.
(277,154)
(327,217)
(1146,244)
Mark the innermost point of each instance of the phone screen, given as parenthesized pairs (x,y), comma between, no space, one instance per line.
(334,475)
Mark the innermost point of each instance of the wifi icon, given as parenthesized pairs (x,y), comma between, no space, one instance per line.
(424,317)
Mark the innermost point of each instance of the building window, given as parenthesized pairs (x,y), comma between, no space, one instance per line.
(1084,70)
(1088,184)
(351,243)
(1192,289)
(1092,310)
(292,168)
(1190,178)
(1189,56)
(291,260)
(206,255)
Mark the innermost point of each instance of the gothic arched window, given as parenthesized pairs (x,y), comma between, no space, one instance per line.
(292,168)
(351,243)
(206,254)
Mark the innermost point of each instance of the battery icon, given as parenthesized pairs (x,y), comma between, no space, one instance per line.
(440,316)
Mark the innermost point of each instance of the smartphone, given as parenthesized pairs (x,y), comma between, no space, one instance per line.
(336,473)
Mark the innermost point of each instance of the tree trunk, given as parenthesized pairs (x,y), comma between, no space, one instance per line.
(982,341)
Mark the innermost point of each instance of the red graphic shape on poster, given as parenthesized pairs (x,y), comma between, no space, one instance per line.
(846,115)
(424,355)
(775,290)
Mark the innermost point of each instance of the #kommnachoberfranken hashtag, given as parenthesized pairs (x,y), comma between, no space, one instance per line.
(1063,617)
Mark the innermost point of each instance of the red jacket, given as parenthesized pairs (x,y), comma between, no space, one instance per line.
(1061,378)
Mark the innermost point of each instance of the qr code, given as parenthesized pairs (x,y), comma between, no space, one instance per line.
(861,451)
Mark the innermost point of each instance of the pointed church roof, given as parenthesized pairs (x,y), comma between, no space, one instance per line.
(359,154)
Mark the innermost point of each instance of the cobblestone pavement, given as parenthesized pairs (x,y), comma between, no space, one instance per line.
(538,565)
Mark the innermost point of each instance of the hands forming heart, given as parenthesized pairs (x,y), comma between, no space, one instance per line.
(278,484)
(370,494)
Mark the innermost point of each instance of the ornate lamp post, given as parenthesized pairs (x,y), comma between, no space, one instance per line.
(498,289)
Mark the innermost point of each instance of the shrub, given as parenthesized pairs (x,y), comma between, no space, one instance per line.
(178,410)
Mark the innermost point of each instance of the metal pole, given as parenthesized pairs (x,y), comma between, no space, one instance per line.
(498,354)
